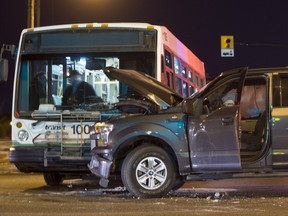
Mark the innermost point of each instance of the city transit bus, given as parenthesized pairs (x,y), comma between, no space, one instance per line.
(52,136)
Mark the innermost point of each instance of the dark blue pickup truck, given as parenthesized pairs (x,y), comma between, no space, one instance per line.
(236,125)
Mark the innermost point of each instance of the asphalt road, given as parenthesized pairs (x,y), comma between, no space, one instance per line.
(27,194)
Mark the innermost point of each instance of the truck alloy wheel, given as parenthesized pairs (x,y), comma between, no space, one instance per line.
(148,171)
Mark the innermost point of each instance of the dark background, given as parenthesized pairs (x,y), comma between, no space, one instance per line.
(259,24)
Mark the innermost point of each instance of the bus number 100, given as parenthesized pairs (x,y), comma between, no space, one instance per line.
(79,129)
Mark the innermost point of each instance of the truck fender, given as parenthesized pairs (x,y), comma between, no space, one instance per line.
(177,142)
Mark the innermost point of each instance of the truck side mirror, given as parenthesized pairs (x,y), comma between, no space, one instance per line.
(187,107)
(205,107)
(3,69)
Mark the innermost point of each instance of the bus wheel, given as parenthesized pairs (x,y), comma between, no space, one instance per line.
(53,179)
(148,171)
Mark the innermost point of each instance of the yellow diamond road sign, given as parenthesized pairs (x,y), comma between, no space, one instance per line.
(227,46)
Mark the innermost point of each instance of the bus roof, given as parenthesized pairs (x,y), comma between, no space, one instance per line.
(90,25)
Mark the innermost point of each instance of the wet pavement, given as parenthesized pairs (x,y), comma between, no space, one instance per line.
(27,194)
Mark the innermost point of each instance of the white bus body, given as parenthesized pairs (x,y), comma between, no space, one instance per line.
(52,138)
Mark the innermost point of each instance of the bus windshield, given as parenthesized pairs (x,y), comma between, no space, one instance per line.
(50,79)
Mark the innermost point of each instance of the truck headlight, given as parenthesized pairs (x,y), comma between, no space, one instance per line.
(103,130)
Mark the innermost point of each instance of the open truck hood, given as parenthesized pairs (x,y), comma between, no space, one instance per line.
(146,86)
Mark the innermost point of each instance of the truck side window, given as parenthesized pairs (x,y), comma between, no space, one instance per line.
(280,90)
(224,95)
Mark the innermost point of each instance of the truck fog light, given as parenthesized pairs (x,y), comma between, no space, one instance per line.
(23,135)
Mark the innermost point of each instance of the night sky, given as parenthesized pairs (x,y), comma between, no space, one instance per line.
(259,27)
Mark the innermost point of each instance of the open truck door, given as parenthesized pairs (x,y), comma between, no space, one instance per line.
(213,125)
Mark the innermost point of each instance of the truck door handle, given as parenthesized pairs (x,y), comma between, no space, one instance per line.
(227,120)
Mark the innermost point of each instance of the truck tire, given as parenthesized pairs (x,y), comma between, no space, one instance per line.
(53,179)
(148,172)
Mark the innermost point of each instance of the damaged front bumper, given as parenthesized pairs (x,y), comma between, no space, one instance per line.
(100,164)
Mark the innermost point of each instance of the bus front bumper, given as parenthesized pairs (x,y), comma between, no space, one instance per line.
(37,159)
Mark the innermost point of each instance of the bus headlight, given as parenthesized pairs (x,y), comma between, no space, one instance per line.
(23,135)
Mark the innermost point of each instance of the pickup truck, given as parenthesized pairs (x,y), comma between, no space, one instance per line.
(235,126)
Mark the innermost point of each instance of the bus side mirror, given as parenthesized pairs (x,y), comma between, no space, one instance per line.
(3,69)
(187,107)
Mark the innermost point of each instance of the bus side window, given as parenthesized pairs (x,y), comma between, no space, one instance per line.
(168,59)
